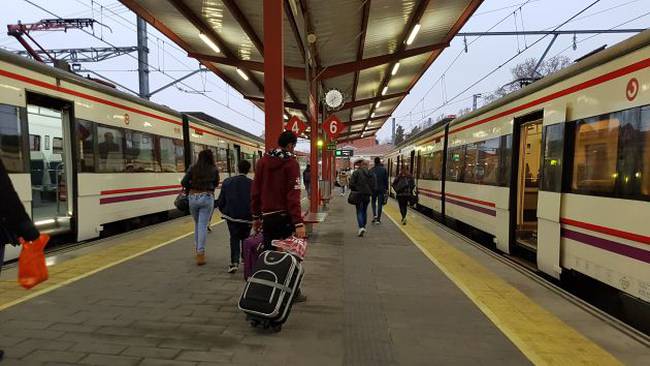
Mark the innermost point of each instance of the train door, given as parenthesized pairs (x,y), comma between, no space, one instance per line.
(411,163)
(51,168)
(527,175)
(236,156)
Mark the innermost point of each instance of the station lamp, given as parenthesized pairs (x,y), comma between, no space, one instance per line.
(209,42)
(395,68)
(242,74)
(319,143)
(414,32)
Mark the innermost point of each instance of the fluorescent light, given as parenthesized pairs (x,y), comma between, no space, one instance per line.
(372,115)
(209,42)
(378,104)
(286,117)
(395,68)
(414,33)
(242,74)
(383,92)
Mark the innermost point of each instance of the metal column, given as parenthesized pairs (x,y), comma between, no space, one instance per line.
(313,157)
(143,59)
(273,71)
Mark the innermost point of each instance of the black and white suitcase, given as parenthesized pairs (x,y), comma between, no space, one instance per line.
(269,292)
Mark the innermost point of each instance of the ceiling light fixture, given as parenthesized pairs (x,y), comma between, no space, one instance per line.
(383,92)
(209,42)
(242,74)
(395,68)
(378,104)
(372,115)
(414,33)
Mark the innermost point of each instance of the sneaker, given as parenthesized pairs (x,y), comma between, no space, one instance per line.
(377,222)
(233,268)
(362,231)
(200,259)
(404,221)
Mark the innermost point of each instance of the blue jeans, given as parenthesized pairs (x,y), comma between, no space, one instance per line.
(362,213)
(201,207)
(377,204)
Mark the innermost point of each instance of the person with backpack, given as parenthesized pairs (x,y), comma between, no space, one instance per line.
(362,184)
(14,220)
(378,194)
(201,180)
(306,178)
(234,202)
(403,185)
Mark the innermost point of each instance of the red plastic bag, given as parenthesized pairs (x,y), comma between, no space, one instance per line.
(293,245)
(31,263)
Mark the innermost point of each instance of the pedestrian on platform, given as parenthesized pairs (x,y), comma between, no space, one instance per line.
(275,199)
(234,202)
(306,179)
(343,180)
(14,221)
(201,180)
(403,185)
(362,184)
(379,193)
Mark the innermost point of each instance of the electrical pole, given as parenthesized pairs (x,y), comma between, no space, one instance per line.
(475,101)
(143,59)
(393,135)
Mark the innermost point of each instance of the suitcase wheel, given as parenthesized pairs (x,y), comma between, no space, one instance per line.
(254,323)
(276,328)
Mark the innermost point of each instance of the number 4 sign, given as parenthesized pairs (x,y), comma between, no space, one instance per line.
(333,126)
(296,126)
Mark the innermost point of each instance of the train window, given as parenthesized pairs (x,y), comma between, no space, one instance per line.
(552,154)
(222,159)
(171,155)
(139,152)
(11,142)
(595,156)
(34,142)
(196,149)
(111,156)
(426,166)
(505,160)
(86,136)
(470,167)
(644,170)
(455,163)
(487,162)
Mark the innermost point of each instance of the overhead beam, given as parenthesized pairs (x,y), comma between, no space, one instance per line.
(199,24)
(360,102)
(290,71)
(364,120)
(293,105)
(355,66)
(295,30)
(259,45)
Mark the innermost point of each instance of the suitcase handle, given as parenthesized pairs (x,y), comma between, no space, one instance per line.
(260,281)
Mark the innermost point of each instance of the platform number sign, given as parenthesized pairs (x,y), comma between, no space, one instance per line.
(296,125)
(333,126)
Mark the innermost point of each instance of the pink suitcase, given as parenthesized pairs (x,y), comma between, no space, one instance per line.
(251,249)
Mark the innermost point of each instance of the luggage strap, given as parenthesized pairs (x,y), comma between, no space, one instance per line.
(260,281)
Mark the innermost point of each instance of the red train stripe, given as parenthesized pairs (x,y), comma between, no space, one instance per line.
(570,90)
(469,199)
(608,231)
(135,197)
(138,189)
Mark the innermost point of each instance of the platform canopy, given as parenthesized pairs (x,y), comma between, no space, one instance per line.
(373,51)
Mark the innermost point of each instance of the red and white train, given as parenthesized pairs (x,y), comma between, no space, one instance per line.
(560,169)
(82,155)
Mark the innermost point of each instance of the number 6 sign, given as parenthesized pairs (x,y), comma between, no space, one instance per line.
(333,126)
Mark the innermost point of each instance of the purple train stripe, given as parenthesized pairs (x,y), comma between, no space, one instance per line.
(135,197)
(608,245)
(480,209)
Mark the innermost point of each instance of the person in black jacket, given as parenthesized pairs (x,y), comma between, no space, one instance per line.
(403,185)
(306,179)
(362,184)
(381,188)
(13,218)
(234,202)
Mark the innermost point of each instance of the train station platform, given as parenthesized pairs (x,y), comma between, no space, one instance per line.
(401,295)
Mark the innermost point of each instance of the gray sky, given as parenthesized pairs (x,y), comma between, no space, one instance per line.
(427,99)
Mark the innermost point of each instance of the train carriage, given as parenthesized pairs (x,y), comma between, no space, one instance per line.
(560,169)
(82,155)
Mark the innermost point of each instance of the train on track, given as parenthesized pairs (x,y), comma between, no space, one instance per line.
(559,170)
(82,155)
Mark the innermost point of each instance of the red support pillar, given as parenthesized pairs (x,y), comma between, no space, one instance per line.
(313,157)
(273,71)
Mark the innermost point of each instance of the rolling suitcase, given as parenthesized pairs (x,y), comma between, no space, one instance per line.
(251,249)
(269,292)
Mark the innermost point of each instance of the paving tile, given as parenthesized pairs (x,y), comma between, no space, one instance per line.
(54,356)
(104,348)
(157,362)
(110,360)
(151,352)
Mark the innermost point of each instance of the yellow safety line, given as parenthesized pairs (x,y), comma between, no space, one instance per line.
(79,268)
(540,335)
